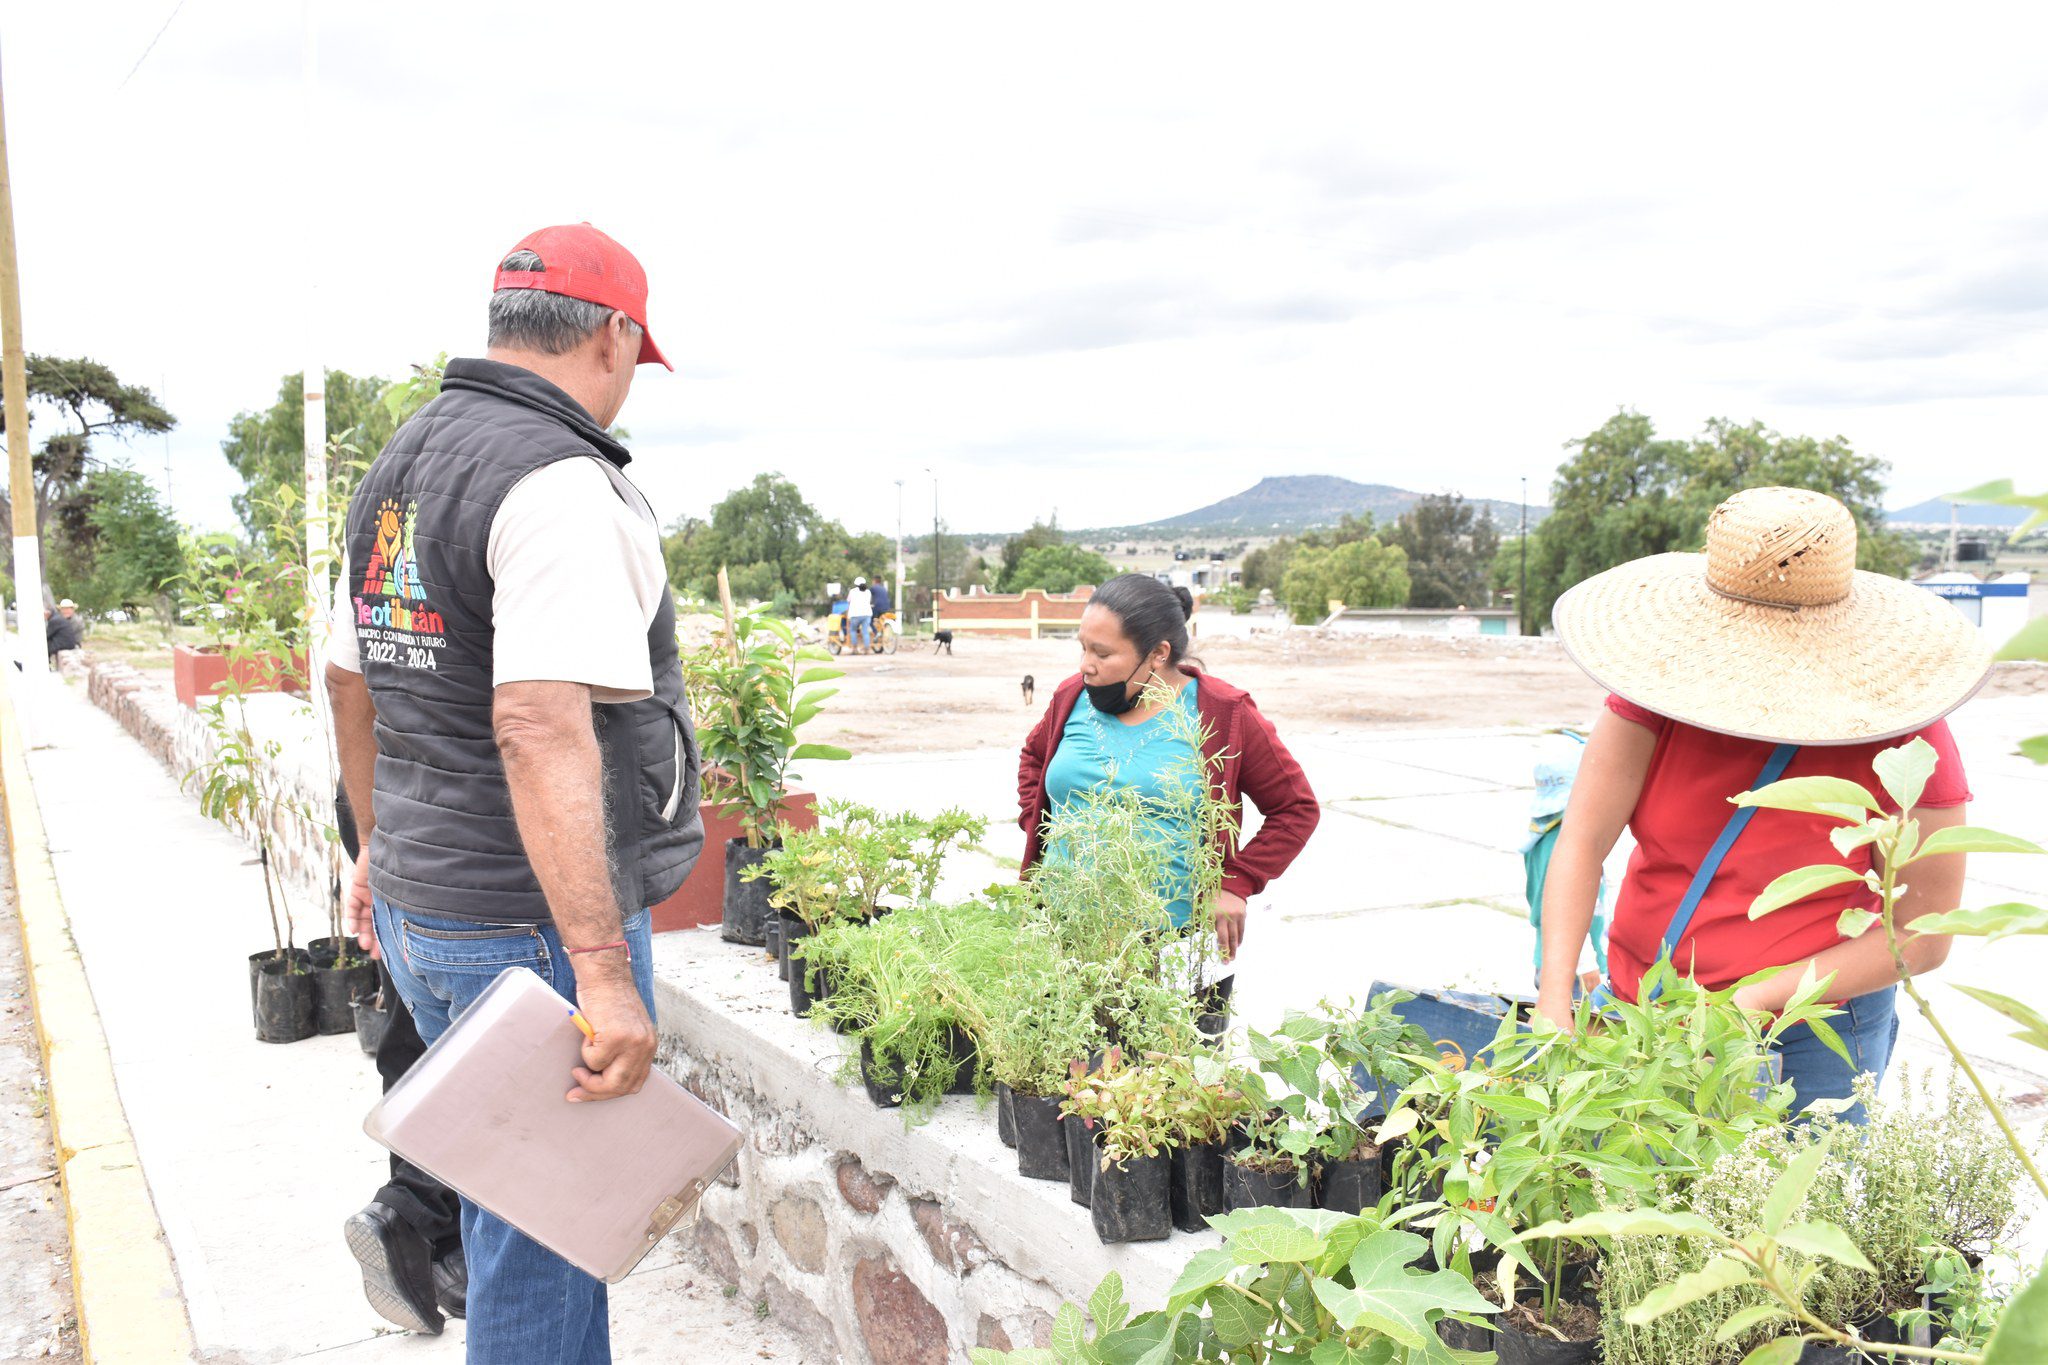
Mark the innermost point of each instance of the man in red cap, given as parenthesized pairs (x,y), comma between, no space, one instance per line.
(509,712)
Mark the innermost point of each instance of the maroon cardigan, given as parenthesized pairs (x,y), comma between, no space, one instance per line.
(1247,759)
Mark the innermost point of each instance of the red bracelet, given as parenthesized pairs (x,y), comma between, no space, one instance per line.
(600,948)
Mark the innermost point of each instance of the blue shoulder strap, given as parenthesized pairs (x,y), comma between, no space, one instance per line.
(1774,768)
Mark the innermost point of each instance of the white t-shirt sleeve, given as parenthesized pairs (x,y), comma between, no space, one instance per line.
(343,650)
(577,577)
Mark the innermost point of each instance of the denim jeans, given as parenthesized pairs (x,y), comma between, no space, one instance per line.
(527,1306)
(1868,1026)
(863,631)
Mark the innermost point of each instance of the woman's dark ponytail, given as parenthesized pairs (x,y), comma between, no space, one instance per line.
(1150,612)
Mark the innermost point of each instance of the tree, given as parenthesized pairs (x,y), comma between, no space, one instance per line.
(1358,573)
(773,545)
(133,557)
(85,400)
(1450,547)
(1058,568)
(268,447)
(1266,567)
(1041,535)
(1624,493)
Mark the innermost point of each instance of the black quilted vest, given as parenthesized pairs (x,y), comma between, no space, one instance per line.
(418,531)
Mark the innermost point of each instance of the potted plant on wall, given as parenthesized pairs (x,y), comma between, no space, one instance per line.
(1034,1019)
(748,690)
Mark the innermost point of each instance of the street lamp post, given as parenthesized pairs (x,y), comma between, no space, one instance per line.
(938,559)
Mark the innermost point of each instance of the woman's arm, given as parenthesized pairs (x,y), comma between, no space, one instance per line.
(1269,776)
(1862,965)
(1031,766)
(1604,796)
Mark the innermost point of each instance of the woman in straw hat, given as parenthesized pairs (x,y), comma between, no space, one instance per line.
(1769,655)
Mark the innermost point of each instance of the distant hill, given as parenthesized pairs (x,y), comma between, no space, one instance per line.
(1934,512)
(1288,503)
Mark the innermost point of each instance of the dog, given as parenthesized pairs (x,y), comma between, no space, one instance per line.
(1029,684)
(942,640)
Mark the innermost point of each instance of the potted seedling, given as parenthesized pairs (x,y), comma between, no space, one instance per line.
(1203,1109)
(1269,1164)
(1034,1018)
(1125,1102)
(753,690)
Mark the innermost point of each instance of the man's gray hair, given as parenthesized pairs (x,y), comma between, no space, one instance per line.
(535,320)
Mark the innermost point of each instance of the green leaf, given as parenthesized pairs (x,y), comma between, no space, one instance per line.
(2035,748)
(1625,1223)
(1238,1321)
(2021,1337)
(1854,921)
(1992,921)
(1263,1245)
(1336,1352)
(1070,1333)
(2035,1028)
(1106,1305)
(1791,1188)
(1904,771)
(1812,796)
(818,675)
(1971,839)
(1800,883)
(1203,1269)
(1723,1272)
(1825,1240)
(1389,1298)
(1783,1351)
(821,752)
(1754,1316)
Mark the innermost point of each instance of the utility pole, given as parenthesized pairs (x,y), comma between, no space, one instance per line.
(21,478)
(1522,592)
(938,569)
(902,606)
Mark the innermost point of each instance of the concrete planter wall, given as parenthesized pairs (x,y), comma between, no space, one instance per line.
(196,672)
(699,902)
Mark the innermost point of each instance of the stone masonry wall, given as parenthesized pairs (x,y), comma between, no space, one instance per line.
(181,741)
(870,1241)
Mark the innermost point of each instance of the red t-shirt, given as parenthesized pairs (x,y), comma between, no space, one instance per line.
(1682,811)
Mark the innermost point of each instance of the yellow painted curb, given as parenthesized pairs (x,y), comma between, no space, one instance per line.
(129,1305)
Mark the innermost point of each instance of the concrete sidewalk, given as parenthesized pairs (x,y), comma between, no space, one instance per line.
(254,1153)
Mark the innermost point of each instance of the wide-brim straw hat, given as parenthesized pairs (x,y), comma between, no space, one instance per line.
(1774,634)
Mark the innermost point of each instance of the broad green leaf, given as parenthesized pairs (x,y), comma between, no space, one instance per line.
(1904,771)
(1265,1245)
(1106,1305)
(1849,838)
(1800,883)
(1971,839)
(1625,1223)
(1791,1188)
(1723,1272)
(1854,921)
(818,675)
(1825,1240)
(1783,1351)
(1811,796)
(1991,921)
(1203,1269)
(1400,1123)
(2029,642)
(1754,1316)
(2035,1028)
(2035,748)
(1027,1355)
(1070,1333)
(1335,1352)
(1238,1321)
(2021,1337)
(822,752)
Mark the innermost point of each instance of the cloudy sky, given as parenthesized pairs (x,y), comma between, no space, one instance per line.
(1117,261)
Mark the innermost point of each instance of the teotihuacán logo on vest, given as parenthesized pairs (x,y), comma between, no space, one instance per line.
(400,629)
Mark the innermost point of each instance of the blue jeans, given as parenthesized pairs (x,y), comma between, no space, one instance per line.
(527,1306)
(863,631)
(1868,1026)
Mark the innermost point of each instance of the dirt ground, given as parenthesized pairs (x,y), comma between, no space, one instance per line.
(920,702)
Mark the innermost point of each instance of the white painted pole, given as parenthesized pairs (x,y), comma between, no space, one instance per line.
(21,482)
(319,549)
(902,607)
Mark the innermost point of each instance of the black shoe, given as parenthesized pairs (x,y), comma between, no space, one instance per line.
(398,1268)
(451,1283)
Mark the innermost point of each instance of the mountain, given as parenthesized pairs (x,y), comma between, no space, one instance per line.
(1934,512)
(1287,503)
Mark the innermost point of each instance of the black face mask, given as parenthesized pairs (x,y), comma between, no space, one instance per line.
(1111,699)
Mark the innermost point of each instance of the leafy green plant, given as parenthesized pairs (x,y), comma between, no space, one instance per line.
(860,859)
(748,690)
(1287,1285)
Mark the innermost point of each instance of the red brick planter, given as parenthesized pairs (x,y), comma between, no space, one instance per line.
(195,673)
(701,900)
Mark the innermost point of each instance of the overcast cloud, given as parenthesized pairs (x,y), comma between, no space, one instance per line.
(1115,260)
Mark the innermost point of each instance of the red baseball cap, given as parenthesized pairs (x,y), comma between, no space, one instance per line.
(582,263)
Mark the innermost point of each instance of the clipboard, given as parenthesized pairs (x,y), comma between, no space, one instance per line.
(598,1183)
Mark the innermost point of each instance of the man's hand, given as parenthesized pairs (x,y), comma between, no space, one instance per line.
(616,1061)
(1556,1006)
(358,916)
(1229,924)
